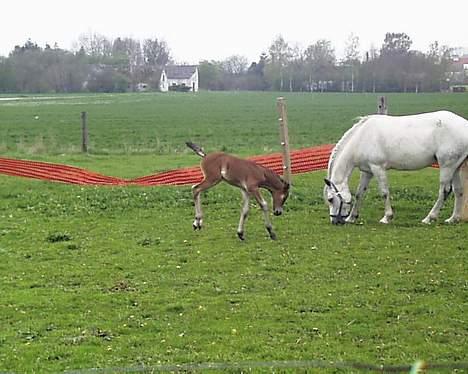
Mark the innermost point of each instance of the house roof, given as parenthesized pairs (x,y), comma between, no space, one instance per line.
(180,71)
(461,60)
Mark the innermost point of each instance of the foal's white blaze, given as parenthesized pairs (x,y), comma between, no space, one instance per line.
(223,172)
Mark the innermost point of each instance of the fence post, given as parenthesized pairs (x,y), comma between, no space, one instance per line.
(464,178)
(284,138)
(382,107)
(84,132)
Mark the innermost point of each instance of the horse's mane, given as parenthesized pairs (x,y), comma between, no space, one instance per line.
(342,142)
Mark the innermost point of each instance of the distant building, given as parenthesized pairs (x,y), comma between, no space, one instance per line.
(459,70)
(179,78)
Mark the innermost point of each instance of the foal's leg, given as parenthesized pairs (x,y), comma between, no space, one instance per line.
(244,214)
(361,191)
(445,187)
(382,182)
(197,190)
(263,204)
(457,186)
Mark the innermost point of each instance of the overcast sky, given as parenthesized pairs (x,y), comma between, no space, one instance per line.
(217,29)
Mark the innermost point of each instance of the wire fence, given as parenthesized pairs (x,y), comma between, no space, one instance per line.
(417,367)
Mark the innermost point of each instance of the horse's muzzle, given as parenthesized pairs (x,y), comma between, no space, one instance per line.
(278,212)
(338,220)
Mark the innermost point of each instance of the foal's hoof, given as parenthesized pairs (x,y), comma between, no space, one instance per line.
(272,235)
(197,225)
(240,235)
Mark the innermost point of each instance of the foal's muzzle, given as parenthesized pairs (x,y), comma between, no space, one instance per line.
(278,212)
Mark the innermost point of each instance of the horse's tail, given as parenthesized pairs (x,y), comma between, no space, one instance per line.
(196,148)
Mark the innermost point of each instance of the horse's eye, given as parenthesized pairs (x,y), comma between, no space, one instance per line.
(330,199)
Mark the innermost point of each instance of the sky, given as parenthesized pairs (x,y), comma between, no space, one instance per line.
(215,30)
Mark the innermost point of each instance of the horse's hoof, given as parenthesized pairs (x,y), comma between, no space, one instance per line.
(452,220)
(384,220)
(426,221)
(240,235)
(272,236)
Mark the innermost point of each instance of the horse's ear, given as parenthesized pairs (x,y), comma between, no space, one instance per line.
(327,182)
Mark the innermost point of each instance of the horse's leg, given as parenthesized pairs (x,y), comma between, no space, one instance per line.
(457,186)
(197,190)
(263,204)
(382,182)
(445,188)
(361,191)
(244,214)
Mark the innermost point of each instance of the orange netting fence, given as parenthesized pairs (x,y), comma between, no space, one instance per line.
(302,161)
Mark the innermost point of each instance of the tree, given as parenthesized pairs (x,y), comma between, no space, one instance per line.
(256,74)
(320,60)
(440,59)
(235,65)
(95,45)
(351,59)
(351,52)
(280,54)
(396,44)
(210,75)
(394,61)
(369,69)
(156,55)
(7,75)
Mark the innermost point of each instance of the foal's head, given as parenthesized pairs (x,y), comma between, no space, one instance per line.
(280,195)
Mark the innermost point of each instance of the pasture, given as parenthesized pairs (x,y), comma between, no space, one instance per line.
(115,277)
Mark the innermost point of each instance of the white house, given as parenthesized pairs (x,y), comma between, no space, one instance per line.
(179,78)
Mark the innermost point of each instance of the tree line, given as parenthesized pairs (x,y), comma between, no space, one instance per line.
(100,64)
(393,67)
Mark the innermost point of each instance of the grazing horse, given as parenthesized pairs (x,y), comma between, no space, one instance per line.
(380,142)
(245,174)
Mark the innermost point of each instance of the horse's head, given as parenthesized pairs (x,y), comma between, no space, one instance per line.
(338,200)
(279,198)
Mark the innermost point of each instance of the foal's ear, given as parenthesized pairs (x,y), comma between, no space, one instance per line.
(327,182)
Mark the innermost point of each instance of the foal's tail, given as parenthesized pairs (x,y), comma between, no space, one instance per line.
(196,148)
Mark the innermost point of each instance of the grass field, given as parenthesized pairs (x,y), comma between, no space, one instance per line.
(98,277)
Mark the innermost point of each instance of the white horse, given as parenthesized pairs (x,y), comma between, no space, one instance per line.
(380,142)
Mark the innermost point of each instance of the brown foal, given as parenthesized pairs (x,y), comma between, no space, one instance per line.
(245,174)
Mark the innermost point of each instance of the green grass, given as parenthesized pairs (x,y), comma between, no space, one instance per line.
(151,123)
(115,277)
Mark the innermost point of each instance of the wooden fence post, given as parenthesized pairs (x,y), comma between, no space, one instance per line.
(464,178)
(382,107)
(84,132)
(284,138)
